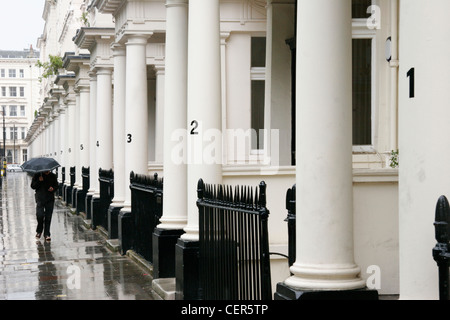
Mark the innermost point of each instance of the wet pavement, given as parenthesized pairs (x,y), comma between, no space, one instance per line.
(75,265)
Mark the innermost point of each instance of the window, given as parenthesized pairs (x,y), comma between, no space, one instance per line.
(13,111)
(22,111)
(24,155)
(258,52)
(2,73)
(9,157)
(257,75)
(257,94)
(22,91)
(21,73)
(23,134)
(3,91)
(12,73)
(364,84)
(12,91)
(359,9)
(13,133)
(362,91)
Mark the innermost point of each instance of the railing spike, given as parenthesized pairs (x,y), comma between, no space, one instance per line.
(200,189)
(442,220)
(262,194)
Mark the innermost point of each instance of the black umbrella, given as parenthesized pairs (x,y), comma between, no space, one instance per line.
(40,165)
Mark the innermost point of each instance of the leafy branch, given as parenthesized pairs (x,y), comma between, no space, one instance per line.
(85,19)
(50,67)
(393,160)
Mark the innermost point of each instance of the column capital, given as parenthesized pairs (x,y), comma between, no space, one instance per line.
(92,75)
(176,3)
(137,39)
(118,49)
(104,71)
(84,88)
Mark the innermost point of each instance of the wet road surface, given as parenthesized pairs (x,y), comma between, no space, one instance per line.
(75,265)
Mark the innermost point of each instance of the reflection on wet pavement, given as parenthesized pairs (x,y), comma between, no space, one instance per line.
(75,265)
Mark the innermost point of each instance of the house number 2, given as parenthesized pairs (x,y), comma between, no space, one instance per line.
(194,125)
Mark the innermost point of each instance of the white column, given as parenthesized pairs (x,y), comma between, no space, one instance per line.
(324,243)
(57,148)
(62,147)
(119,125)
(44,132)
(67,142)
(93,170)
(175,172)
(54,132)
(76,141)
(104,147)
(159,113)
(204,104)
(424,137)
(136,115)
(84,129)
(71,132)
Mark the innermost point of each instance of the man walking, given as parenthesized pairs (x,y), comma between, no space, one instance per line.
(45,184)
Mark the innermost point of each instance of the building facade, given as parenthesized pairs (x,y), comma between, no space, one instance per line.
(319,94)
(19,82)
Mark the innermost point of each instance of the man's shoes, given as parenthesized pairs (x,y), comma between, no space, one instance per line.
(38,236)
(47,238)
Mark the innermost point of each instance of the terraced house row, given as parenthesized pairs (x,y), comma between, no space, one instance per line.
(282,148)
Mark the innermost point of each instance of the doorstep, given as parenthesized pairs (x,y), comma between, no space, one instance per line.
(165,288)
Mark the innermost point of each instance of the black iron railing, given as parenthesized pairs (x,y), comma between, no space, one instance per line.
(441,252)
(146,209)
(234,243)
(106,186)
(290,219)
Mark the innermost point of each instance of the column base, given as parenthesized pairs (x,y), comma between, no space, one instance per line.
(88,206)
(125,230)
(81,203)
(186,270)
(68,197)
(285,292)
(74,197)
(95,212)
(60,190)
(113,222)
(164,241)
(63,193)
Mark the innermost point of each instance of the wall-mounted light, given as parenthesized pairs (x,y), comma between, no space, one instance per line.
(388,50)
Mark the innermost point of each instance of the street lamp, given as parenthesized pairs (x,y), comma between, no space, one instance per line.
(4,146)
(14,143)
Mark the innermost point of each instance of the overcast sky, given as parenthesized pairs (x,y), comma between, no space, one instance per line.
(21,23)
